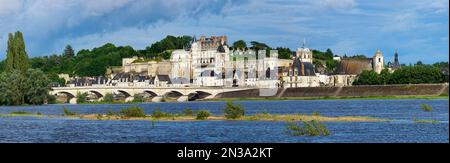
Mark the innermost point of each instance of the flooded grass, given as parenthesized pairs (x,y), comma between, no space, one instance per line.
(426,107)
(307,128)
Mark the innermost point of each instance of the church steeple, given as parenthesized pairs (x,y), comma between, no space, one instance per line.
(194,39)
(304,43)
(396,56)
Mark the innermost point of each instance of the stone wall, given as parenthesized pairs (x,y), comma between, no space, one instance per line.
(372,90)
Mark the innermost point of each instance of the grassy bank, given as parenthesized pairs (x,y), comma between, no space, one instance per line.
(332,98)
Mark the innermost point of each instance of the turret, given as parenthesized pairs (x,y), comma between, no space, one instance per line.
(378,62)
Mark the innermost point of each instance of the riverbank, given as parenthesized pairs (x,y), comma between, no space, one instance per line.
(333,98)
(184,118)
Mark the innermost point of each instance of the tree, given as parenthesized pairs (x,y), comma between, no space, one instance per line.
(108,97)
(16,55)
(258,46)
(36,86)
(367,78)
(329,52)
(284,53)
(9,62)
(239,45)
(68,52)
(12,89)
(21,56)
(384,77)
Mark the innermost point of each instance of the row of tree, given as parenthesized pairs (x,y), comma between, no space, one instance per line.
(95,62)
(20,84)
(283,53)
(417,74)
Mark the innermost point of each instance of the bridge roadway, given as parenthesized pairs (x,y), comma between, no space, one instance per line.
(157,93)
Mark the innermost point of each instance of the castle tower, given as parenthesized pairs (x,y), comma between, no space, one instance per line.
(305,54)
(378,62)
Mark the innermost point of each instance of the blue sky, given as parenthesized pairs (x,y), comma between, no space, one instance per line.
(419,29)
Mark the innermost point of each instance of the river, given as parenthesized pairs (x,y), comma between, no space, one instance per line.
(400,128)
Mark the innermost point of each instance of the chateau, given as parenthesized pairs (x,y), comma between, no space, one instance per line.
(209,62)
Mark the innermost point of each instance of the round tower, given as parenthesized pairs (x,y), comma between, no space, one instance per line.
(378,62)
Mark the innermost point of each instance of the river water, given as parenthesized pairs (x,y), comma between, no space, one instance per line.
(400,128)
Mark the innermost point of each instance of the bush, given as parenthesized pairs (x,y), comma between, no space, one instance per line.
(133,111)
(315,113)
(426,107)
(188,112)
(203,114)
(157,113)
(81,97)
(110,113)
(67,112)
(19,112)
(108,97)
(51,99)
(233,111)
(311,128)
(138,98)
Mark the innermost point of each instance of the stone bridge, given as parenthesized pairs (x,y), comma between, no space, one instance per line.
(157,94)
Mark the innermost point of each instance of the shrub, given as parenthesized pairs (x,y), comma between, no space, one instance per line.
(203,114)
(133,111)
(426,107)
(424,121)
(157,113)
(51,99)
(233,111)
(138,98)
(188,112)
(110,113)
(315,113)
(99,116)
(311,128)
(19,112)
(67,112)
(108,97)
(81,97)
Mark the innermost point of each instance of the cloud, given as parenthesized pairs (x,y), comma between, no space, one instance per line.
(337,4)
(8,7)
(345,26)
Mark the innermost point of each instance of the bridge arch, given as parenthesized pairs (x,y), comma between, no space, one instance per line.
(125,93)
(151,93)
(172,93)
(97,93)
(198,95)
(69,96)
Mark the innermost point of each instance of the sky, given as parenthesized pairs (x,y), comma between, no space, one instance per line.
(418,29)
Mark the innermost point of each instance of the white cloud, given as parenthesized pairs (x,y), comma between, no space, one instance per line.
(345,26)
(8,7)
(100,7)
(337,4)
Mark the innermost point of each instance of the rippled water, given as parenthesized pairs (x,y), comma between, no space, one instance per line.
(401,128)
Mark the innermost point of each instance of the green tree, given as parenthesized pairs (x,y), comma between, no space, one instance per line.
(239,45)
(284,53)
(81,97)
(36,86)
(233,111)
(367,78)
(21,56)
(108,97)
(12,88)
(384,77)
(10,53)
(68,52)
